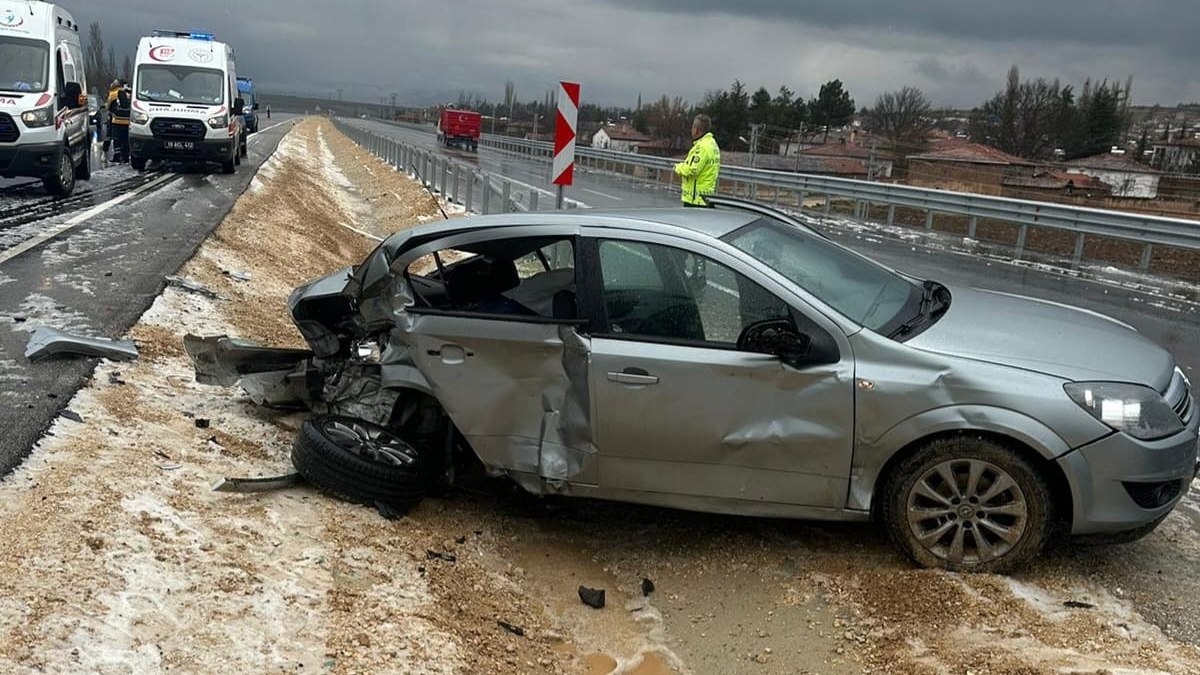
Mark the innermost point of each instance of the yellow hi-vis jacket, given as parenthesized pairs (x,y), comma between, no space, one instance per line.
(699,171)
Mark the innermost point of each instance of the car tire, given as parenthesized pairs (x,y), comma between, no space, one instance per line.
(63,184)
(967,504)
(84,170)
(360,462)
(229,166)
(138,163)
(243,149)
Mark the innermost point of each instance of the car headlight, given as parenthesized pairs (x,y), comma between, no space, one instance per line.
(218,122)
(42,117)
(138,117)
(1138,411)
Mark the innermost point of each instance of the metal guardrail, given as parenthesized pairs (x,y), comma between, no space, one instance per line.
(793,188)
(457,182)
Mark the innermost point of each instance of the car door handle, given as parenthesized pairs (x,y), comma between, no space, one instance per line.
(633,376)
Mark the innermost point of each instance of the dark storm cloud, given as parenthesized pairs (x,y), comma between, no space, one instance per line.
(427,51)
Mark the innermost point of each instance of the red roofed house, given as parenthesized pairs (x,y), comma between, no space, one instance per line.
(884,160)
(1127,177)
(618,139)
(967,167)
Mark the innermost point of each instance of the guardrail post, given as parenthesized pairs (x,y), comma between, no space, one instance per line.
(486,183)
(507,196)
(800,197)
(1021,234)
(929,220)
(457,196)
(1078,257)
(533,200)
(891,214)
(470,192)
(971,226)
(444,171)
(828,204)
(1147,254)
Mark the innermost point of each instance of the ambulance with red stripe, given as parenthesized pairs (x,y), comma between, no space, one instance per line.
(186,107)
(43,107)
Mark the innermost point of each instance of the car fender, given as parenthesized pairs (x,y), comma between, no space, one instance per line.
(870,457)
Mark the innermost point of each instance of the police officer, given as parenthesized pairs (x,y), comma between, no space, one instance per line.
(118,109)
(703,164)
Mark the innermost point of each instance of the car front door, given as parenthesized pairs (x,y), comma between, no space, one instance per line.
(682,409)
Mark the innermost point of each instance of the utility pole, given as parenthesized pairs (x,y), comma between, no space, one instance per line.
(393,111)
(871,175)
(754,131)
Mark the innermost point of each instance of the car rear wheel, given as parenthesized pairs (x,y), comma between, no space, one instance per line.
(967,504)
(229,166)
(360,462)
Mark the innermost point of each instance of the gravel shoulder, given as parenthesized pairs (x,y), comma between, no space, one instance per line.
(120,559)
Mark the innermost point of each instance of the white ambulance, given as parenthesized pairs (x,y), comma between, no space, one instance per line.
(186,106)
(43,109)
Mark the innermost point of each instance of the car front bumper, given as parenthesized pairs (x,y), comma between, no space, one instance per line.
(202,150)
(30,159)
(1120,483)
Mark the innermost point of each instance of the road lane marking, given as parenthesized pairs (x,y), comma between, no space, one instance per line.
(82,218)
(602,194)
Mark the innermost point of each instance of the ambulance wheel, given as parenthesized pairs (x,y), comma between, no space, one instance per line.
(229,166)
(62,184)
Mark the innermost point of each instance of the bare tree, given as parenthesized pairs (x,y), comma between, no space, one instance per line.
(671,121)
(95,62)
(903,117)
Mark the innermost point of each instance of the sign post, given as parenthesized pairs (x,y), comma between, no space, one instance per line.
(564,137)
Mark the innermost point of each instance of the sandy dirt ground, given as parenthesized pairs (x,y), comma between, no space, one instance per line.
(119,558)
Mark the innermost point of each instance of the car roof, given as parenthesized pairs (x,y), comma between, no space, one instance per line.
(713,223)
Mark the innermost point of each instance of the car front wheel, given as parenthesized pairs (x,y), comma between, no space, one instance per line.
(968,504)
(360,462)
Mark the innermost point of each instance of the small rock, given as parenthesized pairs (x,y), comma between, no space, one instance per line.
(592,597)
(647,587)
(364,640)
(71,415)
(448,557)
(202,423)
(1076,604)
(460,540)
(515,630)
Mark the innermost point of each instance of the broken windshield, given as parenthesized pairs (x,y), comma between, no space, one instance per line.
(24,65)
(180,84)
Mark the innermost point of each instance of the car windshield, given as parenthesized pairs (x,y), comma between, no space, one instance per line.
(864,292)
(24,65)
(180,84)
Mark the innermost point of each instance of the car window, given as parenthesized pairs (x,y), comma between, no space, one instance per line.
(657,291)
(513,278)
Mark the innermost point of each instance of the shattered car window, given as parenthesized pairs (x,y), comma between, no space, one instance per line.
(662,292)
(523,277)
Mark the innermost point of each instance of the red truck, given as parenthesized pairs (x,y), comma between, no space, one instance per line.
(459,127)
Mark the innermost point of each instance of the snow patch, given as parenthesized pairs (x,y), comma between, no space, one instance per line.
(42,310)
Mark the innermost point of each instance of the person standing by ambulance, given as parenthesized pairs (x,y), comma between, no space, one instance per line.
(699,172)
(118,110)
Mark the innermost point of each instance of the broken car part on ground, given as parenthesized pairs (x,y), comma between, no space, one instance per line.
(787,376)
(47,342)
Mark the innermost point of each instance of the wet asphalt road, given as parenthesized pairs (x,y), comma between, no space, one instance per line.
(98,276)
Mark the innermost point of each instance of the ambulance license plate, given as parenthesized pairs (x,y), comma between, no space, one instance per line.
(180,145)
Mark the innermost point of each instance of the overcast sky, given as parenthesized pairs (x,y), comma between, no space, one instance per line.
(958,51)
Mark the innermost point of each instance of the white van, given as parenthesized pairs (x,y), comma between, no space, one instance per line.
(185,102)
(43,110)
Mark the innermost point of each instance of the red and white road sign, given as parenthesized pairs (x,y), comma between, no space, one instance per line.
(564,132)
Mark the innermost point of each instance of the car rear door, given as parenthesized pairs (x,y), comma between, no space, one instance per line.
(680,410)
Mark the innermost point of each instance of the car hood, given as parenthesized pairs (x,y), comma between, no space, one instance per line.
(1046,337)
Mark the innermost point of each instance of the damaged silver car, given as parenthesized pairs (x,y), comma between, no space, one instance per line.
(726,360)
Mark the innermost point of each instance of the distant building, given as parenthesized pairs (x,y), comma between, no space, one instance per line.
(619,139)
(1125,176)
(826,166)
(1050,183)
(955,164)
(884,160)
(1179,156)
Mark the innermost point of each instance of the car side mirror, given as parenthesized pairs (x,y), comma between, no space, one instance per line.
(239,106)
(73,96)
(777,337)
